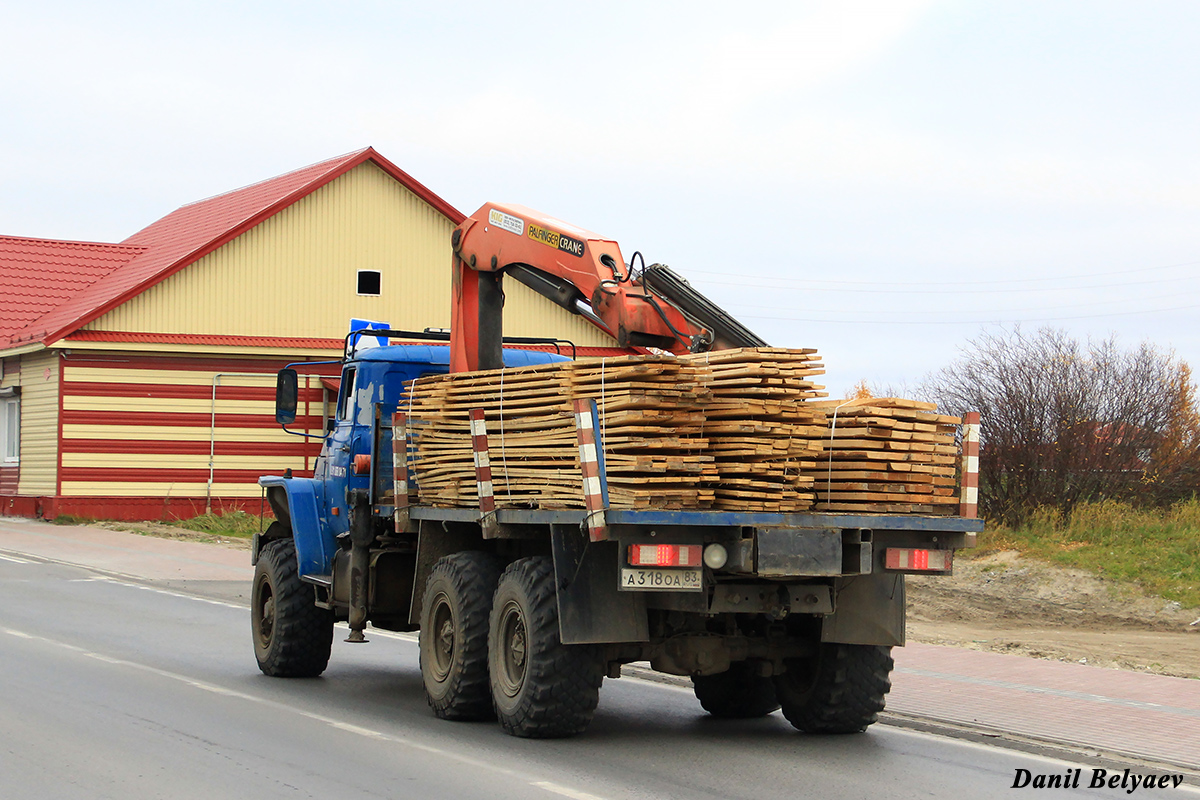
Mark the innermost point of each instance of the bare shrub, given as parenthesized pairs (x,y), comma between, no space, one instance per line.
(1065,423)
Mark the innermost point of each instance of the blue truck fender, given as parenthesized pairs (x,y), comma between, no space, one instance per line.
(314,546)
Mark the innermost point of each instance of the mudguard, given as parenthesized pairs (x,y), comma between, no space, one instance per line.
(314,544)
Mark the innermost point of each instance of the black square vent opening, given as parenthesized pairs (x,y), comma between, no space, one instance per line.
(368,281)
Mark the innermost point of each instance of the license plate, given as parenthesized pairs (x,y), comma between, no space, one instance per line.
(662,580)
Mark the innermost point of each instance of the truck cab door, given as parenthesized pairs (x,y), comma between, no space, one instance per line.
(339,449)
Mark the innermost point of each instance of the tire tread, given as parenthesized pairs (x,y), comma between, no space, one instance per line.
(562,681)
(303,633)
(846,694)
(473,576)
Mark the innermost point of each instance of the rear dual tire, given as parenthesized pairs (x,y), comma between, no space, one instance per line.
(454,635)
(839,690)
(541,688)
(490,647)
(738,693)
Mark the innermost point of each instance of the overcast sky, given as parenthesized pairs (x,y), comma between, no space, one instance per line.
(879,180)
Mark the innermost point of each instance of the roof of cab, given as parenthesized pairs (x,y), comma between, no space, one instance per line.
(440,354)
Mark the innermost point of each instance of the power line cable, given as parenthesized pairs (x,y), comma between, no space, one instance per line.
(986,321)
(943,291)
(735,307)
(956,283)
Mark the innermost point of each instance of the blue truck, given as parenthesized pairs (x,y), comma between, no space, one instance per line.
(522,614)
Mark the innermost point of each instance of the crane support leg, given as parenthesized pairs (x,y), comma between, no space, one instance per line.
(476,330)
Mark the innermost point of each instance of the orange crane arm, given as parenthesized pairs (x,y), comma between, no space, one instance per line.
(580,270)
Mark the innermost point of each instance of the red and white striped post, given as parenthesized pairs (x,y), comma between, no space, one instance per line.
(968,505)
(483,473)
(400,472)
(591,462)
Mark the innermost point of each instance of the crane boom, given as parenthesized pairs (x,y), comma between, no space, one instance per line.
(581,271)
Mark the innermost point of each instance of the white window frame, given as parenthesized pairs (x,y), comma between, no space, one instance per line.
(358,282)
(358,278)
(10,419)
(346,406)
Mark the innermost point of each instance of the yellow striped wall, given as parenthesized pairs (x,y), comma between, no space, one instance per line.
(295,274)
(38,378)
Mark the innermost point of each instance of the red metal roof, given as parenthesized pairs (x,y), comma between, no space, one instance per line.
(38,276)
(179,239)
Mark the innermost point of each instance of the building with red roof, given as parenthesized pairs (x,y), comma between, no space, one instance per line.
(137,378)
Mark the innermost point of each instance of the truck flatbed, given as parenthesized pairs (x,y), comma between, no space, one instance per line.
(707,519)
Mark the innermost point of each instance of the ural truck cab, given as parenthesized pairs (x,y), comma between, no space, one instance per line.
(314,516)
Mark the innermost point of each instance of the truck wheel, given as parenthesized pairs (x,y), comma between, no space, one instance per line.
(292,637)
(453,639)
(541,688)
(840,690)
(739,693)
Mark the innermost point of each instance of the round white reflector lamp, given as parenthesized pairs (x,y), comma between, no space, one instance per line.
(715,556)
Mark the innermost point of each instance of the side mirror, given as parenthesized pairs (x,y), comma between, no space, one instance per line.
(287,391)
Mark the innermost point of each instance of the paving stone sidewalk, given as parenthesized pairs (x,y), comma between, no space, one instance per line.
(1151,717)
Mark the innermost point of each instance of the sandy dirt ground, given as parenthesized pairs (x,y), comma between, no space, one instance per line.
(1004,603)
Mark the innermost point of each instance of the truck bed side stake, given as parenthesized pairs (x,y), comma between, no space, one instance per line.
(591,461)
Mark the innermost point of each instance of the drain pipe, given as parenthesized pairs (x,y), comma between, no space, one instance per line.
(212,429)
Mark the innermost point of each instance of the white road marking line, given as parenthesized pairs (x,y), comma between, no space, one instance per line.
(361,731)
(357,730)
(565,791)
(401,637)
(156,590)
(170,593)
(14,560)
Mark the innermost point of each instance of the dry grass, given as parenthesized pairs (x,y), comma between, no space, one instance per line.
(1157,550)
(235,524)
(231,525)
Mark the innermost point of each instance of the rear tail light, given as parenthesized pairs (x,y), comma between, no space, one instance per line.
(917,560)
(665,555)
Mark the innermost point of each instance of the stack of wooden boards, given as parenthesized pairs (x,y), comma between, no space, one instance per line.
(763,433)
(738,430)
(889,456)
(651,422)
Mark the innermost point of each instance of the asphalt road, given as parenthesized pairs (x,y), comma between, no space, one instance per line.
(113,689)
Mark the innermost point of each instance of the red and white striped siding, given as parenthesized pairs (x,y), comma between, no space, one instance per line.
(143,426)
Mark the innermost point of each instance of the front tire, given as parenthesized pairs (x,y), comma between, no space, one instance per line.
(739,693)
(541,688)
(840,690)
(454,631)
(292,637)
